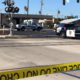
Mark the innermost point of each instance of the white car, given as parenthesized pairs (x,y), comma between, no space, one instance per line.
(33,27)
(68,30)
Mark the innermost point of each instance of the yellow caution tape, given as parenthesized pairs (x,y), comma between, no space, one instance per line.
(36,71)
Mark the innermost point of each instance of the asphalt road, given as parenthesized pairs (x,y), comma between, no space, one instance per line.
(36,34)
(17,53)
(45,33)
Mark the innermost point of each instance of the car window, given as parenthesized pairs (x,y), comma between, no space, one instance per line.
(61,25)
(69,26)
(78,28)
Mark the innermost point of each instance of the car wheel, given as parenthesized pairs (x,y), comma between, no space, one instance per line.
(33,29)
(63,35)
(38,29)
(23,28)
(18,29)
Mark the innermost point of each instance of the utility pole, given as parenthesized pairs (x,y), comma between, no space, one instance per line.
(41,9)
(28,7)
(27,10)
(58,13)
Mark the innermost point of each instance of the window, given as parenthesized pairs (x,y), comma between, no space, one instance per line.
(69,26)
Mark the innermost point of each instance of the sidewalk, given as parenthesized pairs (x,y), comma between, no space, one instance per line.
(27,36)
(14,36)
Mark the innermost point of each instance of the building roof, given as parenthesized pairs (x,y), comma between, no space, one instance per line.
(69,20)
(31,16)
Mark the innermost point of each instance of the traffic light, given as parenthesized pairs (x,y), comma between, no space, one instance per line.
(64,2)
(78,1)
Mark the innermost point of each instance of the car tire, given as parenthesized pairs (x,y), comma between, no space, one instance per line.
(33,29)
(18,29)
(39,29)
(23,29)
(62,35)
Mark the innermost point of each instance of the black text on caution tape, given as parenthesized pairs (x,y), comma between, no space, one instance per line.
(36,71)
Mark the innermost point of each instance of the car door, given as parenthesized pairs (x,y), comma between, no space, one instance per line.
(70,30)
(77,31)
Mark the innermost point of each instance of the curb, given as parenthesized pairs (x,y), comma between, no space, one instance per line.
(24,36)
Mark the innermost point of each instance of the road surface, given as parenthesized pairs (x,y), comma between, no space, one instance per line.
(17,53)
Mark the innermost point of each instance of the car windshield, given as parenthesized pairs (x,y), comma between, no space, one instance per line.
(69,26)
(61,25)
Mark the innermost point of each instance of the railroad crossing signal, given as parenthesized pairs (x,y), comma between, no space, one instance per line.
(12,9)
(10,6)
(8,2)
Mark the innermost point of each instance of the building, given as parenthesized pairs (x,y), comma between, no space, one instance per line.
(5,18)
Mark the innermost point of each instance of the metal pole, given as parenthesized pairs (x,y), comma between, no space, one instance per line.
(41,6)
(28,8)
(3,29)
(11,24)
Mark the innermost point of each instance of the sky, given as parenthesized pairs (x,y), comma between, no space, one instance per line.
(50,7)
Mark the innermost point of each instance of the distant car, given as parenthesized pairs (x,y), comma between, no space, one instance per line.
(33,27)
(68,30)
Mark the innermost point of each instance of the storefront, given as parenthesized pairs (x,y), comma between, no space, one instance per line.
(18,18)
